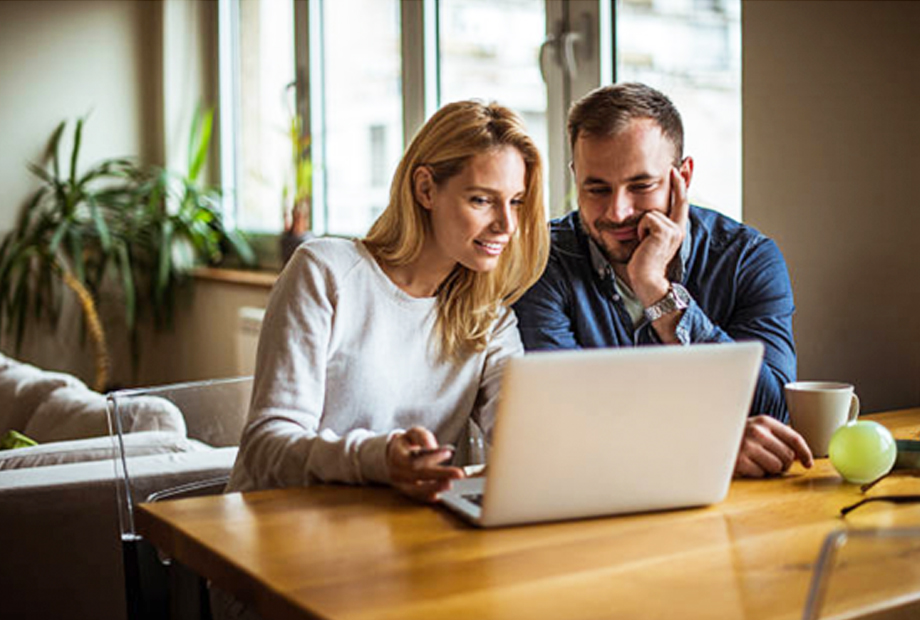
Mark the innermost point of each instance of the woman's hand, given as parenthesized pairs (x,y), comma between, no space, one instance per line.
(414,460)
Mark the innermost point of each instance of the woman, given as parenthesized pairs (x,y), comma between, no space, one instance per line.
(375,353)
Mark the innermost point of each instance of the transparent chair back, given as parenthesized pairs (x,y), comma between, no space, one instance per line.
(872,572)
(171,439)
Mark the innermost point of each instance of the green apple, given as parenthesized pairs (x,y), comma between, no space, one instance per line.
(862,451)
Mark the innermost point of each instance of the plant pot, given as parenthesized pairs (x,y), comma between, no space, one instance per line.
(290,241)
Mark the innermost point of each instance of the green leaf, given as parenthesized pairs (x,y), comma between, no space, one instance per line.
(21,304)
(42,174)
(199,142)
(165,261)
(25,218)
(101,227)
(127,285)
(77,138)
(75,237)
(58,236)
(53,148)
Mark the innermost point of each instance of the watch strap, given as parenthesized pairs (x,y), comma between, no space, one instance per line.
(677,298)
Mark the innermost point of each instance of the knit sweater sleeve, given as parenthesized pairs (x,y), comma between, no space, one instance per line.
(282,444)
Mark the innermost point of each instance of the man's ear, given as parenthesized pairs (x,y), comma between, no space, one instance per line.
(686,170)
(423,186)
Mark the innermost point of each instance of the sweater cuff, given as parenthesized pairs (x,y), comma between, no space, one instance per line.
(372,458)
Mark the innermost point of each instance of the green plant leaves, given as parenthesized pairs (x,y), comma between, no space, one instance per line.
(75,154)
(136,227)
(199,142)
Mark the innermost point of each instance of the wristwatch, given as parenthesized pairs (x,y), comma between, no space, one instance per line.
(677,299)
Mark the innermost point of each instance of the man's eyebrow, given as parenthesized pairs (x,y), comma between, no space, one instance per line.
(594,181)
(642,176)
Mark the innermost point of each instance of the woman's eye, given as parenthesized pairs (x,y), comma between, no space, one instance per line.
(517,203)
(480,201)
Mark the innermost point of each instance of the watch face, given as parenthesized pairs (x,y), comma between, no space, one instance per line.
(681,295)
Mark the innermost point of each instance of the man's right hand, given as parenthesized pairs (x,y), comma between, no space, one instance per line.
(769,447)
(418,474)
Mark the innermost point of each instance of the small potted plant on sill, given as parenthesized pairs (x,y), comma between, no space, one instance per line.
(298,192)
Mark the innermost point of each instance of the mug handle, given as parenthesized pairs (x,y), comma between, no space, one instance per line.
(854,409)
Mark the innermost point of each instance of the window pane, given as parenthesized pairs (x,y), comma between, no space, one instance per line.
(480,59)
(266,61)
(691,50)
(363,110)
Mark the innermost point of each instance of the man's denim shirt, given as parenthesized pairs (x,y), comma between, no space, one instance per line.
(736,276)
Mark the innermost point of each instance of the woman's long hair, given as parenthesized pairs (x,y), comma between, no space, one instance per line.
(468,301)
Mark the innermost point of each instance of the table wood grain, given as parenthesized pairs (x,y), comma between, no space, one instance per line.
(359,553)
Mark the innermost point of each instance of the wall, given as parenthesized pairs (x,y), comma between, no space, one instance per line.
(831,160)
(62,60)
(120,60)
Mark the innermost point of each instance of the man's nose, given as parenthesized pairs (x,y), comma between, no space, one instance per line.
(620,209)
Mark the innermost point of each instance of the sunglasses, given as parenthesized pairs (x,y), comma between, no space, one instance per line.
(894,499)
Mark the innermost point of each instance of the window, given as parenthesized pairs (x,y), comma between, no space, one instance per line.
(373,70)
(257,57)
(700,70)
(358,78)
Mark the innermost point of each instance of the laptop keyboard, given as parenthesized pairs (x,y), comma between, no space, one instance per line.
(475,498)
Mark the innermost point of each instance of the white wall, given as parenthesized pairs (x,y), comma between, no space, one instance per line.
(831,122)
(61,60)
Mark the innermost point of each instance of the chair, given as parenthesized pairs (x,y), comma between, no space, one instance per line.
(212,415)
(866,572)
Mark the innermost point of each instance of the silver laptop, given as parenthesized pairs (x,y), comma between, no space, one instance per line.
(609,431)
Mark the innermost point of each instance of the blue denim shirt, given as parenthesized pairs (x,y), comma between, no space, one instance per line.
(736,276)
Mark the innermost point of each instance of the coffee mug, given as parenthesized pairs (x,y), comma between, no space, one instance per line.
(818,408)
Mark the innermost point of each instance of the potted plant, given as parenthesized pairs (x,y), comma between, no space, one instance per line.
(298,191)
(140,229)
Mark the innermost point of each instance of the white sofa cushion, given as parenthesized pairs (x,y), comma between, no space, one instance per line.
(79,413)
(23,388)
(97,449)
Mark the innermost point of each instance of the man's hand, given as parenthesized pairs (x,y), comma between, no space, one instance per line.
(769,447)
(414,460)
(660,238)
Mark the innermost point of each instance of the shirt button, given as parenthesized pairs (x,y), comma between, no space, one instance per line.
(616,298)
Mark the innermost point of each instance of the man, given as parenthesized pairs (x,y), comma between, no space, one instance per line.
(637,265)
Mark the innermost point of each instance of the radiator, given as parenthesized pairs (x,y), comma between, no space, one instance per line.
(247,339)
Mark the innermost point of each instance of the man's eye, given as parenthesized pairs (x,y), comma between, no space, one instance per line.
(598,191)
(642,187)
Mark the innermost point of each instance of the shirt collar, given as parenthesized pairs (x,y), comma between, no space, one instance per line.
(602,265)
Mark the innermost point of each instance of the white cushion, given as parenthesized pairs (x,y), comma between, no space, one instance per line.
(79,413)
(68,413)
(97,449)
(150,413)
(23,388)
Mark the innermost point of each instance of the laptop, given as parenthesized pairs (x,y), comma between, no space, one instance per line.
(611,431)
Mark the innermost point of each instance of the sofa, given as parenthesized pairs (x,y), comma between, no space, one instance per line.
(60,530)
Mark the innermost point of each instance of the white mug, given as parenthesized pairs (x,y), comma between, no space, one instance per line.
(818,408)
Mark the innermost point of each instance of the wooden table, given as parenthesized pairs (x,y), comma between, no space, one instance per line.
(361,553)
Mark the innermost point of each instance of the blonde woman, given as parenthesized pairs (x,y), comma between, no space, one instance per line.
(375,353)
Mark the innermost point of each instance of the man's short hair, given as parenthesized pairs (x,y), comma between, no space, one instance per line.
(606,111)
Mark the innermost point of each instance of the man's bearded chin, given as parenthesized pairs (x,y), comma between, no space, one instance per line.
(623,252)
